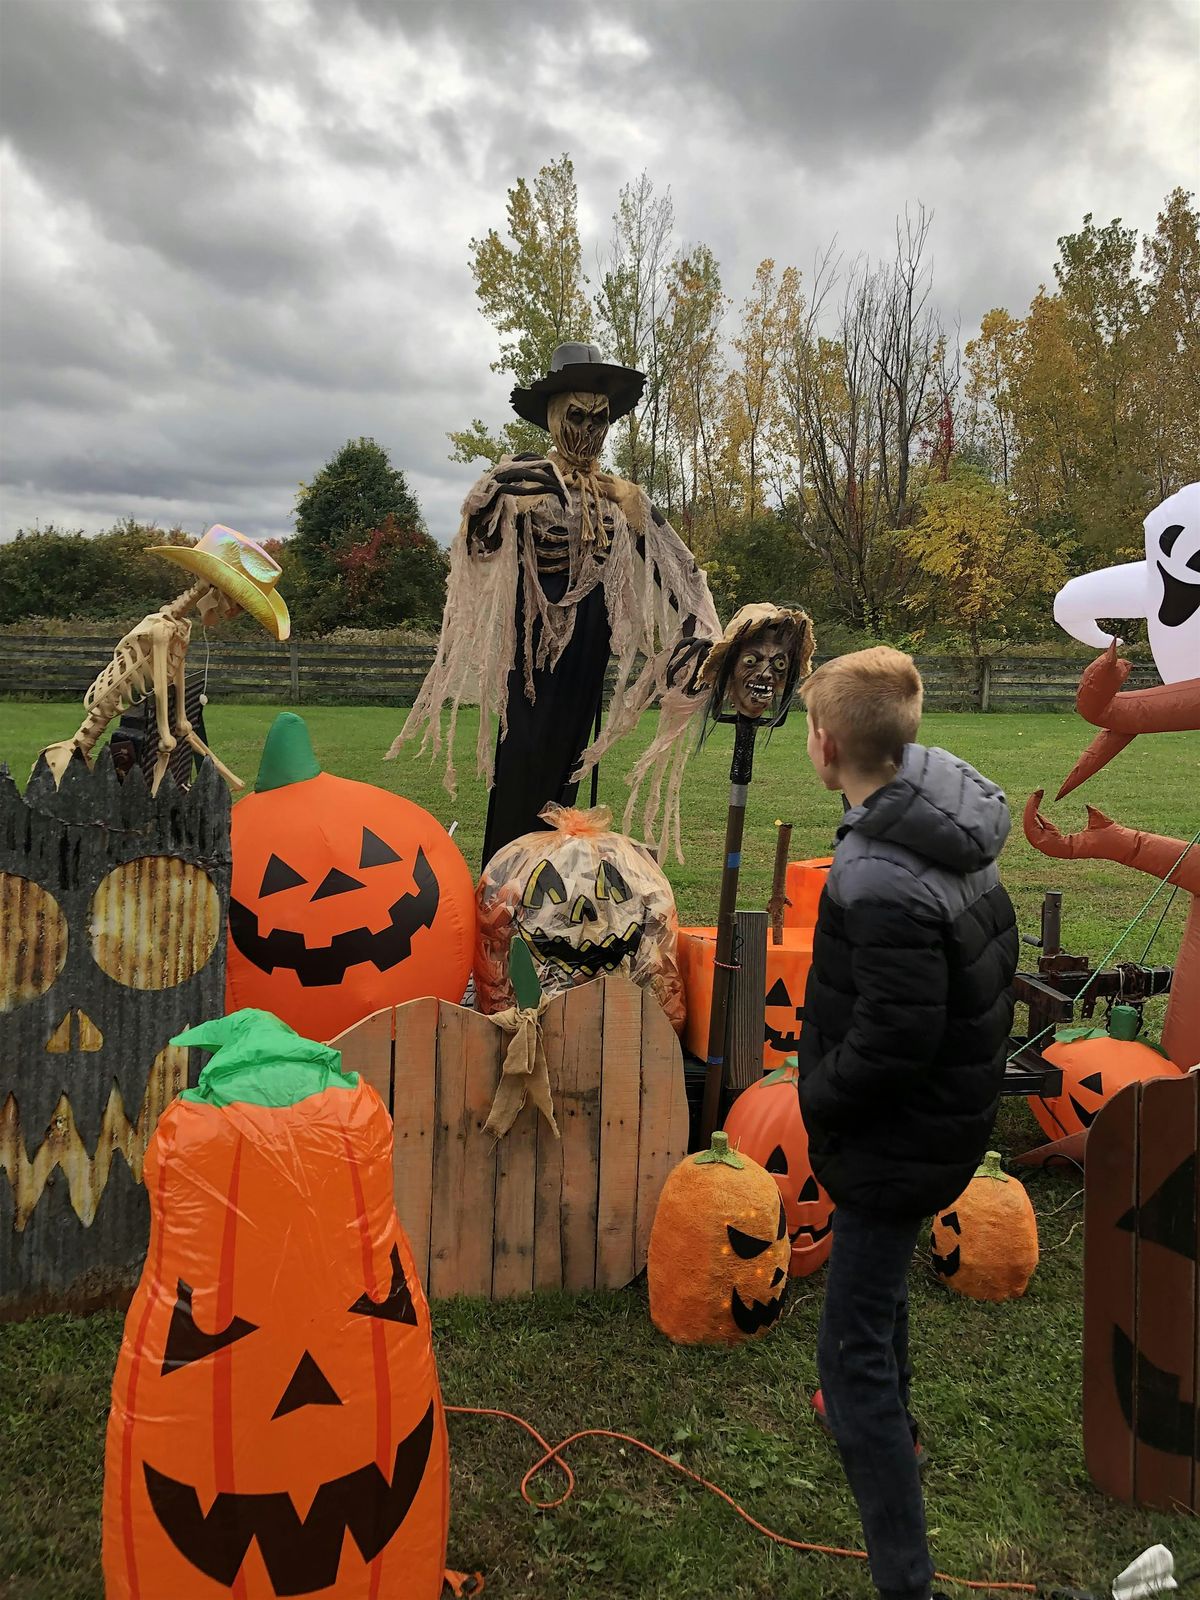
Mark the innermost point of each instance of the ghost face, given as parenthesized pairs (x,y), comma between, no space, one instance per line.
(760,673)
(1173,584)
(579,426)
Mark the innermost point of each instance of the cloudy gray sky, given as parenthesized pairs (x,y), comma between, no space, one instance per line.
(235,231)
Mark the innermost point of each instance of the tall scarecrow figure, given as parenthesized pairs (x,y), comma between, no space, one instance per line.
(557,567)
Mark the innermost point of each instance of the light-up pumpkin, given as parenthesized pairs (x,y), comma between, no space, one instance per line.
(717,1263)
(986,1244)
(1093,1067)
(787,976)
(346,898)
(276,1423)
(765,1123)
(585,901)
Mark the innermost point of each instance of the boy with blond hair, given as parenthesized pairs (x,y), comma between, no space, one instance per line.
(906,1021)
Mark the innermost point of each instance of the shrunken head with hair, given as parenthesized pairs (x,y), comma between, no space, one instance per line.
(863,708)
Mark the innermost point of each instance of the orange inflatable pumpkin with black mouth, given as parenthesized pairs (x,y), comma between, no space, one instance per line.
(765,1123)
(346,898)
(276,1427)
(1094,1067)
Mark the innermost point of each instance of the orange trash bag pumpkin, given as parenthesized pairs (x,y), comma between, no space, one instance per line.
(585,901)
(345,899)
(276,1423)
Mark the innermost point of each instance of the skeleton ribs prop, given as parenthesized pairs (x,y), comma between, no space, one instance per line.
(557,567)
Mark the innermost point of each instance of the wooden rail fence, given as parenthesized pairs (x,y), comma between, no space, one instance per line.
(311,673)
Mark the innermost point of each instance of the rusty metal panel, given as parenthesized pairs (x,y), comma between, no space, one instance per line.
(112,919)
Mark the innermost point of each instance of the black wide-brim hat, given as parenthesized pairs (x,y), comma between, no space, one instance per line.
(580,367)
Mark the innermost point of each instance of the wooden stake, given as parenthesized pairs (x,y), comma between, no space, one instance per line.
(779,899)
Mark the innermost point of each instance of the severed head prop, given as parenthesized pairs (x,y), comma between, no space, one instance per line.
(753,670)
(578,424)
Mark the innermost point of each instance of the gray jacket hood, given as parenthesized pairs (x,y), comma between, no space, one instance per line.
(938,807)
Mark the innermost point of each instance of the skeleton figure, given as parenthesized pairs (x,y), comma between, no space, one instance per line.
(558,566)
(236,574)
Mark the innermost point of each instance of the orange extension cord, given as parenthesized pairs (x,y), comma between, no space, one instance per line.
(554,1453)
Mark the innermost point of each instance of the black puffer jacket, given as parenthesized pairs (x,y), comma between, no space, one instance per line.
(909,1002)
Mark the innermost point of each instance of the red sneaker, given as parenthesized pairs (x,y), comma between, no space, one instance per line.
(818,1404)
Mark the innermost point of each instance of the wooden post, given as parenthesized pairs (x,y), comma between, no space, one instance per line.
(748,1029)
(778,901)
(294,669)
(985,683)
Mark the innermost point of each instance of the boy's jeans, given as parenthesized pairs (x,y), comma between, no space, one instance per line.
(862,1357)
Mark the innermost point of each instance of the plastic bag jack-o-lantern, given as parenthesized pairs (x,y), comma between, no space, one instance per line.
(717,1263)
(765,1124)
(276,1426)
(1094,1066)
(585,901)
(346,898)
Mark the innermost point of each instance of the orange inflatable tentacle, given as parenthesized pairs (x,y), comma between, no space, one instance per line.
(1181,1025)
(1106,840)
(1165,708)
(1099,753)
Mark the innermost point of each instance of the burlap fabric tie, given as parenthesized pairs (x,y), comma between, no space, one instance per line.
(525,1075)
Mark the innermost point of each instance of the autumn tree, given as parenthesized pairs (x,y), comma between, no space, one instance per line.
(1169,354)
(533,291)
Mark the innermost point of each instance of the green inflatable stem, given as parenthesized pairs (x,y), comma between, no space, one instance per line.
(287,754)
(258,1060)
(719,1151)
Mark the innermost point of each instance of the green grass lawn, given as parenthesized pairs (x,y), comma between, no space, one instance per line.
(997,1387)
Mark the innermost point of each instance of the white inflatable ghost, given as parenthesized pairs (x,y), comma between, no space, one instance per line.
(1164,588)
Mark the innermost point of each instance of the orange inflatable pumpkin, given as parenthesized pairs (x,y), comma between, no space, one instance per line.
(276,1423)
(1093,1069)
(345,899)
(765,1123)
(986,1244)
(787,975)
(716,1268)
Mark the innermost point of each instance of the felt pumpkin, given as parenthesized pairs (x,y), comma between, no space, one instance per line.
(765,1123)
(717,1263)
(986,1244)
(346,898)
(1093,1067)
(787,976)
(276,1423)
(585,901)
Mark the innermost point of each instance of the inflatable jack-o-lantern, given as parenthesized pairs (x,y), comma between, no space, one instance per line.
(717,1263)
(346,898)
(1094,1067)
(765,1123)
(276,1424)
(585,901)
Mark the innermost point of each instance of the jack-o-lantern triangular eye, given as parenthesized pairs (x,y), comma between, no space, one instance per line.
(610,883)
(374,852)
(277,877)
(398,1305)
(1093,1083)
(335,881)
(187,1343)
(777,994)
(777,1161)
(811,1190)
(745,1244)
(545,881)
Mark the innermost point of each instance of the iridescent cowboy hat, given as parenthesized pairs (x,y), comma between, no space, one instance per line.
(580,367)
(239,568)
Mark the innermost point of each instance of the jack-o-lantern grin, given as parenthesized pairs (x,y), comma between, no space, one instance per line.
(320,965)
(590,956)
(752,1316)
(301,1554)
(946,1265)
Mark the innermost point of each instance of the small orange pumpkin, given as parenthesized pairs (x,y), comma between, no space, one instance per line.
(1093,1069)
(986,1244)
(717,1262)
(276,1423)
(346,898)
(765,1123)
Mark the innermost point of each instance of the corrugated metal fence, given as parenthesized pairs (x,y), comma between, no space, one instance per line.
(303,673)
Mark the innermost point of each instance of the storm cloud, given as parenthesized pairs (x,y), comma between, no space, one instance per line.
(236,235)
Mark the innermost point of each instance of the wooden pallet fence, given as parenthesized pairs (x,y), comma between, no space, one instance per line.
(530,1212)
(1141,1295)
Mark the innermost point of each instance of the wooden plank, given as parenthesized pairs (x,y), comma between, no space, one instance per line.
(579,1124)
(415,1123)
(483,1047)
(620,1119)
(663,1119)
(449,1155)
(547,1227)
(748,1017)
(1166,1339)
(367,1049)
(515,1206)
(1109,1289)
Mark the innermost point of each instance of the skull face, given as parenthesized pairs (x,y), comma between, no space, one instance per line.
(760,673)
(579,426)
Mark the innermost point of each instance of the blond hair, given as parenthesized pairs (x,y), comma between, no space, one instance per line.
(870,701)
